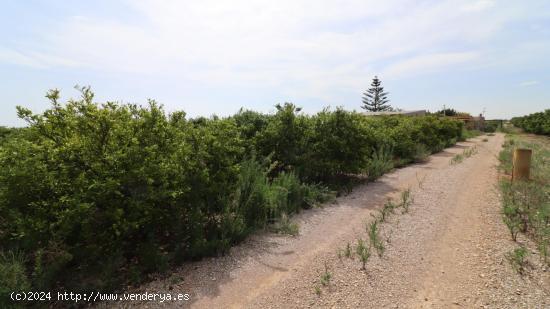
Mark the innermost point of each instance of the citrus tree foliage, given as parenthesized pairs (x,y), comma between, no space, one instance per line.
(338,142)
(284,138)
(4,132)
(537,123)
(97,195)
(116,184)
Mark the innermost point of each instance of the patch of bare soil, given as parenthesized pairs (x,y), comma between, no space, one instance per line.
(447,251)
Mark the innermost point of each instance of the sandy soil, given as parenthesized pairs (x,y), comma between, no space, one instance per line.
(447,251)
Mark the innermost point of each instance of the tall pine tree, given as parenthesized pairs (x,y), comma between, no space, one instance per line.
(375,99)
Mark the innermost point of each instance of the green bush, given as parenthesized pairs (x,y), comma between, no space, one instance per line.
(537,123)
(338,143)
(98,195)
(97,180)
(432,134)
(284,138)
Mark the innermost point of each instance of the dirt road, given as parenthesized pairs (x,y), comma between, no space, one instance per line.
(447,251)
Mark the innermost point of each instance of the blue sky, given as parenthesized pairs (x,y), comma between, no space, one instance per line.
(213,57)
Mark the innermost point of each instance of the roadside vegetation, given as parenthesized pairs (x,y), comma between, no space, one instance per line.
(526,204)
(466,134)
(324,281)
(375,241)
(537,123)
(517,258)
(492,126)
(466,153)
(97,196)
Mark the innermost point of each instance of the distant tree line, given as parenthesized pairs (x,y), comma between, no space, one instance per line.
(447,112)
(537,123)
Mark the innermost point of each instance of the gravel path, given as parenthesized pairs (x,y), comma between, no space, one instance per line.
(447,251)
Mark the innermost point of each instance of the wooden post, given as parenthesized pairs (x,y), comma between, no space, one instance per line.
(521,164)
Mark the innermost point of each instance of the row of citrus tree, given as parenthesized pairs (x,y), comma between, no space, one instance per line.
(96,195)
(537,123)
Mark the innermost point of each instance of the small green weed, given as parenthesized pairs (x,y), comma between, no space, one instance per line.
(380,163)
(512,219)
(363,252)
(388,209)
(457,158)
(420,181)
(543,245)
(347,251)
(388,236)
(420,153)
(317,290)
(517,259)
(326,276)
(468,152)
(374,237)
(406,200)
(285,226)
(12,277)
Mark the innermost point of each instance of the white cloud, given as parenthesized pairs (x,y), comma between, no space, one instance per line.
(427,63)
(33,59)
(529,83)
(479,5)
(320,45)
